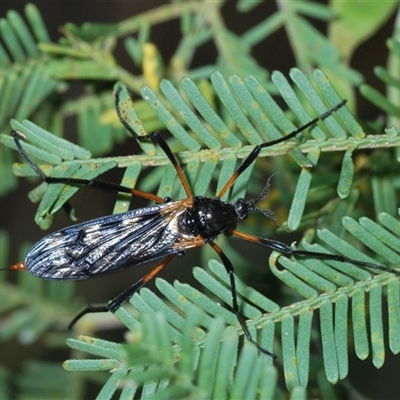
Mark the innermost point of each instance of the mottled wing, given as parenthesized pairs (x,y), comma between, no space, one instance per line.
(108,244)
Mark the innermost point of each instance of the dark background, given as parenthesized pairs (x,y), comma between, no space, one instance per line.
(17,212)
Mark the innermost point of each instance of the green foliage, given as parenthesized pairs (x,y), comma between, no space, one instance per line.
(184,342)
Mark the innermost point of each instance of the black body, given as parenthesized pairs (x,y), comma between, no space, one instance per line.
(209,218)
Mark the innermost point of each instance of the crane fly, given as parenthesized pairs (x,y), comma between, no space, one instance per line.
(168,228)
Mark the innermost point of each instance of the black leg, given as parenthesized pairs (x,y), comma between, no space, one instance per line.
(288,251)
(158,139)
(98,184)
(256,151)
(110,186)
(116,303)
(235,306)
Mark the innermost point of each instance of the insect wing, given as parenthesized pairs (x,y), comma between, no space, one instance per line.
(107,244)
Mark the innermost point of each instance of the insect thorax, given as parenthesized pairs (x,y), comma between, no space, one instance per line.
(208,218)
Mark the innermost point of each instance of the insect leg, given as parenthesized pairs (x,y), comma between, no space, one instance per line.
(235,306)
(116,303)
(98,184)
(256,151)
(288,251)
(158,139)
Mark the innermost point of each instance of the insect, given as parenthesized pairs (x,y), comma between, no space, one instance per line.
(112,243)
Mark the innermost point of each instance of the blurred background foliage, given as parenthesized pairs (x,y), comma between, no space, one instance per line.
(58,64)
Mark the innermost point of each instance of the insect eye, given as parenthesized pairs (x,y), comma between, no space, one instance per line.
(242,208)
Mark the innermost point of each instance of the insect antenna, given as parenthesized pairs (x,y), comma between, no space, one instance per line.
(251,204)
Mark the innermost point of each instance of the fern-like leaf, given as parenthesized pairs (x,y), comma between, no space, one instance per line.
(215,370)
(202,139)
(250,109)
